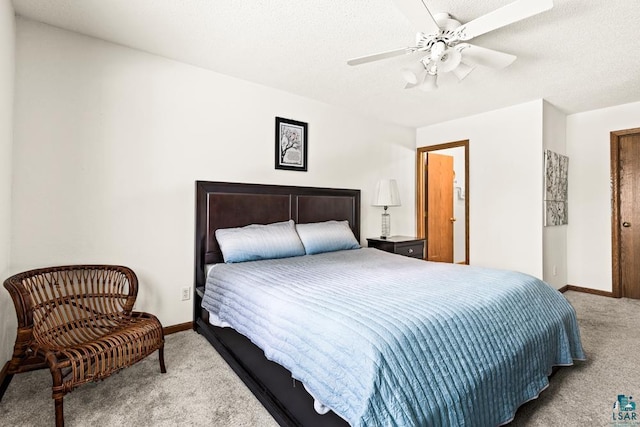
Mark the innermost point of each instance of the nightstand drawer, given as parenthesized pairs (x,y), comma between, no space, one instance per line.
(401,245)
(415,251)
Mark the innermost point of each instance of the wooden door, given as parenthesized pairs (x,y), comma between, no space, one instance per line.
(439,216)
(629,222)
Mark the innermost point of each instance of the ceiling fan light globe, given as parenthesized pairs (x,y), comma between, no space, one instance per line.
(449,61)
(430,83)
(409,76)
(413,73)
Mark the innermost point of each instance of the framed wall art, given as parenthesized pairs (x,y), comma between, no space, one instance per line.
(291,145)
(556,176)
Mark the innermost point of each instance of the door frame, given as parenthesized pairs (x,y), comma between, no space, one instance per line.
(616,282)
(420,189)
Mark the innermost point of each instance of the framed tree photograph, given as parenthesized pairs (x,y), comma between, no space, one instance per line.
(291,145)
(556,185)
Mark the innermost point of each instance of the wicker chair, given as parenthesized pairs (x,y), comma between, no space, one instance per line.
(78,321)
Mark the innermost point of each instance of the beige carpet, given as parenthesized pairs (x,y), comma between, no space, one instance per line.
(200,389)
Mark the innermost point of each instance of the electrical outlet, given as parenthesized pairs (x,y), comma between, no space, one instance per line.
(186,293)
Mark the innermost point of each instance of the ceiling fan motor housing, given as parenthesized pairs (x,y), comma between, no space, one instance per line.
(446,22)
(448,25)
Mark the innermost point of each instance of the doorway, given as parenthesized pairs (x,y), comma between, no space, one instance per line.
(625,215)
(442,200)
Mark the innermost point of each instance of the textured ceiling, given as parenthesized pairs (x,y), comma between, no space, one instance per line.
(580,55)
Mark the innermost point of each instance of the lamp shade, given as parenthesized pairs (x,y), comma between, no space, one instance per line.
(386,193)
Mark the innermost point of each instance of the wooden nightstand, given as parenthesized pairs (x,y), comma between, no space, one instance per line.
(401,245)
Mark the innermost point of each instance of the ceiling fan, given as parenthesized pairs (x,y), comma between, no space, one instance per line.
(442,41)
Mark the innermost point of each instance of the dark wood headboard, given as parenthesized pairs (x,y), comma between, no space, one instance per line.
(227,204)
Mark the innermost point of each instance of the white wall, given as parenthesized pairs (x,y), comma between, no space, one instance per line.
(589,230)
(554,238)
(505,184)
(109,142)
(7,65)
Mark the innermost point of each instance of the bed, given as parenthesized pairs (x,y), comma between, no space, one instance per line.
(469,366)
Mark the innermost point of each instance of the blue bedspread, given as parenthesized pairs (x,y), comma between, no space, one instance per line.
(386,340)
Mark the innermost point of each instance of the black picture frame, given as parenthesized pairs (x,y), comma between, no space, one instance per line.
(292,141)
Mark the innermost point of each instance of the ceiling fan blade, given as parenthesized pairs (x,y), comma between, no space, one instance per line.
(379,56)
(419,16)
(506,15)
(462,71)
(476,55)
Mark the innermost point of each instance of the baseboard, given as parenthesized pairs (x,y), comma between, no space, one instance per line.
(586,290)
(178,328)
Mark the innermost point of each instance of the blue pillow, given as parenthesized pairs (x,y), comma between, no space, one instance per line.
(256,241)
(326,236)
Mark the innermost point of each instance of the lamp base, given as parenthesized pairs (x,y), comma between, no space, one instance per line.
(386,225)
